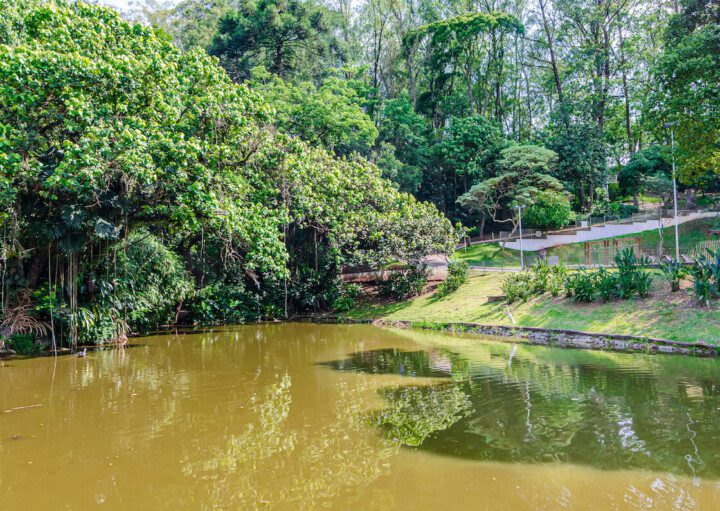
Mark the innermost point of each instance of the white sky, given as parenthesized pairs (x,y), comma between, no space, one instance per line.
(122,4)
(118,4)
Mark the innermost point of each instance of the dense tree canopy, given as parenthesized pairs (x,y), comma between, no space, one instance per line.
(106,129)
(264,168)
(276,34)
(593,80)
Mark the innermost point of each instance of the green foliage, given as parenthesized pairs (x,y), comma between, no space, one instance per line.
(347,298)
(581,286)
(405,283)
(540,278)
(706,277)
(111,137)
(406,177)
(633,278)
(24,344)
(674,272)
(284,36)
(471,146)
(608,284)
(688,73)
(630,278)
(223,304)
(651,161)
(550,210)
(414,413)
(457,276)
(406,130)
(581,153)
(330,115)
(524,179)
(518,287)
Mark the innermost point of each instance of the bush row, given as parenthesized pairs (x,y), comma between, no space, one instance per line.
(629,278)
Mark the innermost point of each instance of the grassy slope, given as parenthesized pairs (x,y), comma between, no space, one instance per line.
(491,254)
(665,315)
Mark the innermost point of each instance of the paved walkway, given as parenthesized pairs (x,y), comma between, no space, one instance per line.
(599,232)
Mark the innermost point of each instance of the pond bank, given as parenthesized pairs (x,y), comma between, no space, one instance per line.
(663,315)
(565,338)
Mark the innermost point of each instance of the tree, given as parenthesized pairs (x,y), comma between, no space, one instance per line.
(581,156)
(688,97)
(330,115)
(524,179)
(284,36)
(551,209)
(407,177)
(651,161)
(114,130)
(468,152)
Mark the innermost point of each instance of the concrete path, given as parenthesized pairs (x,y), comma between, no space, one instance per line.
(599,232)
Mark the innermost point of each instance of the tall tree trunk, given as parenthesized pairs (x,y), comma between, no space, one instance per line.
(551,49)
(626,95)
(37,264)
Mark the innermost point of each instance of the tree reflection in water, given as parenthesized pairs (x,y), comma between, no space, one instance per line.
(576,409)
(312,465)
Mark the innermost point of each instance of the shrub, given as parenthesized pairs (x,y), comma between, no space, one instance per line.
(538,279)
(608,286)
(405,283)
(551,210)
(346,299)
(457,275)
(706,278)
(24,344)
(518,287)
(703,288)
(581,286)
(674,272)
(220,303)
(633,278)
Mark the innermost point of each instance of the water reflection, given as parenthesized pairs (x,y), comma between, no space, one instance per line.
(577,409)
(250,465)
(246,417)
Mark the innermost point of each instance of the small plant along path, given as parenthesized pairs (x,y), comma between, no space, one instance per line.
(663,314)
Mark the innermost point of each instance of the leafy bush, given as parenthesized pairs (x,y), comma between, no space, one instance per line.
(346,300)
(582,286)
(706,278)
(633,278)
(608,286)
(674,272)
(703,288)
(546,278)
(622,210)
(518,287)
(551,210)
(219,303)
(24,344)
(405,283)
(457,275)
(538,279)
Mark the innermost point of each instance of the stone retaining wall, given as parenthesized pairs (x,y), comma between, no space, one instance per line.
(567,338)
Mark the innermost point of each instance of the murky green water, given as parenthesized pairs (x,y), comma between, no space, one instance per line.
(307,416)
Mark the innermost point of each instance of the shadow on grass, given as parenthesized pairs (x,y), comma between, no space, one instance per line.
(375,309)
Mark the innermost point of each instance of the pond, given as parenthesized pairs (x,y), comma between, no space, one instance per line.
(300,415)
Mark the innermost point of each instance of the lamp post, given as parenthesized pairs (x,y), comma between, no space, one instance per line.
(522,258)
(674,180)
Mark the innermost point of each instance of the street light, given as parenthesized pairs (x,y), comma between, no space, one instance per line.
(674,180)
(522,258)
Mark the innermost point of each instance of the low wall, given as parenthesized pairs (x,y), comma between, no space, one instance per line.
(567,338)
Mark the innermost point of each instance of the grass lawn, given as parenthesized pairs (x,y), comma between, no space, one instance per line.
(666,315)
(491,254)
